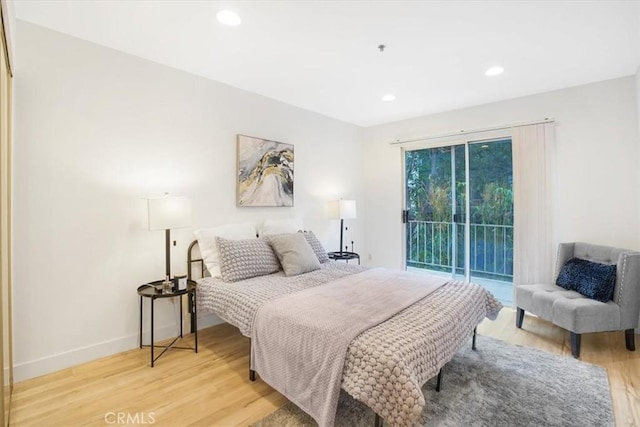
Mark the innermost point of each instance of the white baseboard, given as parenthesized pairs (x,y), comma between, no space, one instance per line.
(67,359)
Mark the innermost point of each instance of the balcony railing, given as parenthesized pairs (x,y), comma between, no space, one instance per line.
(430,245)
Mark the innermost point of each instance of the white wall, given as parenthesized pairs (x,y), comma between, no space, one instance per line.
(638,110)
(638,94)
(95,131)
(598,152)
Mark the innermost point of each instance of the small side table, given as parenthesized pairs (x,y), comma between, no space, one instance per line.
(153,291)
(344,256)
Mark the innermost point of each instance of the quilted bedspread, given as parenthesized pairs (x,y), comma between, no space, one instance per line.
(385,366)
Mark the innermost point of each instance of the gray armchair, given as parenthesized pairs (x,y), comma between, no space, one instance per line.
(579,314)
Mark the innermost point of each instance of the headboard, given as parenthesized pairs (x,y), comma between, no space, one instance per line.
(195,271)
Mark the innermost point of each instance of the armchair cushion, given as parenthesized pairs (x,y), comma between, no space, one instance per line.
(568,309)
(591,279)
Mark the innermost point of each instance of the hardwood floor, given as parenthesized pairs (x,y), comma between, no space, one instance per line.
(212,388)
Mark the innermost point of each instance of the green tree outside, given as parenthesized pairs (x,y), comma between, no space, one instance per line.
(429,195)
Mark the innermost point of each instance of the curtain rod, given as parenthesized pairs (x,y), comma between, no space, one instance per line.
(466,132)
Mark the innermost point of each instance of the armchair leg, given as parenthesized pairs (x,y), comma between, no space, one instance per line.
(519,317)
(575,344)
(630,339)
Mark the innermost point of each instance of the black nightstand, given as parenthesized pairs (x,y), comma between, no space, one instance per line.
(153,291)
(344,256)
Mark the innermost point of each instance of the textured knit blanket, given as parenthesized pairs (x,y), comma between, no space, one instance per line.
(299,341)
(387,364)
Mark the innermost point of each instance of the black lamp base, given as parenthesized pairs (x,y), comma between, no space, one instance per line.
(167,252)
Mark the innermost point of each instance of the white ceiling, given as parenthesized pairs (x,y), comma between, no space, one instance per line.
(323,55)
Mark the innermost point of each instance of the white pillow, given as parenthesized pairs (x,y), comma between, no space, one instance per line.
(207,242)
(280,226)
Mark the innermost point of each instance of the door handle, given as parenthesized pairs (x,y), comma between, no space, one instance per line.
(405,216)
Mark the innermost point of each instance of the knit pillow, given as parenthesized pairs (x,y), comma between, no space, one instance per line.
(317,247)
(207,242)
(591,279)
(242,259)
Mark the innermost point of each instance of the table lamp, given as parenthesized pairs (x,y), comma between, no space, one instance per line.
(166,213)
(342,209)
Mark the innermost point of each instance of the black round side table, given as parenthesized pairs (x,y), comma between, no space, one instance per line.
(153,291)
(344,256)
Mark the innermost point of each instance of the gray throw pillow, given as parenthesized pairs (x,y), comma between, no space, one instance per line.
(317,247)
(295,254)
(242,259)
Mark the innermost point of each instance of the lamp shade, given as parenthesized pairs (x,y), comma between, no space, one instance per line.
(169,212)
(342,209)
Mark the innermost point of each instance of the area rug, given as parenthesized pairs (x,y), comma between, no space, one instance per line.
(497,385)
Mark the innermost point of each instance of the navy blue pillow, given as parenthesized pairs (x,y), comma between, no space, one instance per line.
(591,279)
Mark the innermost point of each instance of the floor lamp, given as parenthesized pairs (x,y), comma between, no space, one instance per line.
(166,213)
(342,209)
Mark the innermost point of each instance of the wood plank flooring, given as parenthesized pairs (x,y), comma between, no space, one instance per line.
(212,388)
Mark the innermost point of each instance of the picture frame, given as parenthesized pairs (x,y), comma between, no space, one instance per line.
(264,172)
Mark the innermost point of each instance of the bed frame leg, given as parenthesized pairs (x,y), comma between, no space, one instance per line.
(192,316)
(473,341)
(378,421)
(252,375)
(439,383)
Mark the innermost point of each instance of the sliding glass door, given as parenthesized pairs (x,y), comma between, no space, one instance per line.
(435,209)
(459,213)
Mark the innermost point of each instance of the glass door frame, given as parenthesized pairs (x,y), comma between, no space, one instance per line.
(466,140)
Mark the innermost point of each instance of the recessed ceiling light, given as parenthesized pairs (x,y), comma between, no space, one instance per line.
(229,18)
(389,97)
(494,71)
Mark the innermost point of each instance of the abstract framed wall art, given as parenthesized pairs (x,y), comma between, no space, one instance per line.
(265,172)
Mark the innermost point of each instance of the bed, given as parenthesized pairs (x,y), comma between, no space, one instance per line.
(386,365)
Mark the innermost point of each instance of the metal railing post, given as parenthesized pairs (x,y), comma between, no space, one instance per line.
(425,252)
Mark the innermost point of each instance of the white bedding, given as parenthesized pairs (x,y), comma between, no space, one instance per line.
(299,341)
(385,366)
(237,302)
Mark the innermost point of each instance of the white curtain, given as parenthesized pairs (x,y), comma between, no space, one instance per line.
(534,184)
